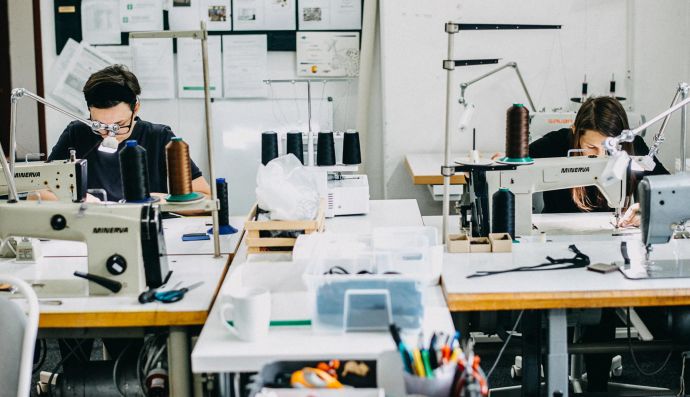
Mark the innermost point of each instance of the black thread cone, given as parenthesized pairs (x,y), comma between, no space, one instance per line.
(503,209)
(134,172)
(269,146)
(224,226)
(295,145)
(351,150)
(325,149)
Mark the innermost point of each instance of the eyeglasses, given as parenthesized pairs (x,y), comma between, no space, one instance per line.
(100,128)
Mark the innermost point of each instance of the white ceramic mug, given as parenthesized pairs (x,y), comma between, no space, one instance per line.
(249,309)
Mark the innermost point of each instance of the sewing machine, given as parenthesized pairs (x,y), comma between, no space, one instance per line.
(553,174)
(125,241)
(65,178)
(345,192)
(663,207)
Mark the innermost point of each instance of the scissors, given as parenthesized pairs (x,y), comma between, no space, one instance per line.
(174,295)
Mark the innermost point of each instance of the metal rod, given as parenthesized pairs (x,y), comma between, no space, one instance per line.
(659,136)
(450,84)
(524,87)
(661,115)
(209,139)
(13,134)
(683,129)
(514,65)
(267,81)
(195,34)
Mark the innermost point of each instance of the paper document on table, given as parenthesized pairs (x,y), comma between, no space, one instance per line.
(245,66)
(330,14)
(264,15)
(333,54)
(153,65)
(100,21)
(190,82)
(141,15)
(77,64)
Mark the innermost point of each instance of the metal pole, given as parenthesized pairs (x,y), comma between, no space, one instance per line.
(209,139)
(310,138)
(683,128)
(13,134)
(451,29)
(524,87)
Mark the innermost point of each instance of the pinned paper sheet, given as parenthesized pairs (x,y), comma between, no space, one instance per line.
(330,15)
(190,82)
(332,54)
(74,66)
(264,15)
(187,15)
(100,21)
(141,15)
(245,66)
(153,65)
(120,54)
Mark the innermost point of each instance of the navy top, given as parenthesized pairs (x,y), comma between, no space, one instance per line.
(557,144)
(104,168)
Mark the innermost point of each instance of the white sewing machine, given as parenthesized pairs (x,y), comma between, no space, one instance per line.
(553,174)
(65,178)
(125,242)
(346,193)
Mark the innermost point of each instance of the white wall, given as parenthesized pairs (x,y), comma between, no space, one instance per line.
(185,116)
(23,73)
(592,41)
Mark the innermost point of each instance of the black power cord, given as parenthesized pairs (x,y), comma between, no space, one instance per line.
(632,353)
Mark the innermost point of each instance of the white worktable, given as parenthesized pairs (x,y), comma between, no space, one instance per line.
(218,350)
(173,229)
(555,291)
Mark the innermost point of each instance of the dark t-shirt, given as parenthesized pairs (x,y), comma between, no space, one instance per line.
(557,144)
(104,168)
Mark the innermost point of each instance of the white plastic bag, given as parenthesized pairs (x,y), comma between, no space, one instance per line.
(287,190)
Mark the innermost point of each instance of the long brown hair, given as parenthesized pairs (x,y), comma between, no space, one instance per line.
(607,116)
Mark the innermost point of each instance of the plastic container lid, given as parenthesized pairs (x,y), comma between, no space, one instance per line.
(177,139)
(131,143)
(220,180)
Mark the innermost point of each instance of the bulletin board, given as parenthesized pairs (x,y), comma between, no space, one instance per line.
(321,15)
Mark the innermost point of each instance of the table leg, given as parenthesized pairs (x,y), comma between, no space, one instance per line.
(557,376)
(531,353)
(178,363)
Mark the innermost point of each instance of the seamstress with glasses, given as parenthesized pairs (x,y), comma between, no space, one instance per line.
(112,98)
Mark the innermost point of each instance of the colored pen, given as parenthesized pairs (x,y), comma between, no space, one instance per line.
(427,364)
(406,359)
(433,358)
(418,363)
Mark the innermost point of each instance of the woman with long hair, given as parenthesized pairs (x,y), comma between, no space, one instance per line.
(597,119)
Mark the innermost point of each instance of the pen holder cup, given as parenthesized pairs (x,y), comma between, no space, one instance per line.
(438,386)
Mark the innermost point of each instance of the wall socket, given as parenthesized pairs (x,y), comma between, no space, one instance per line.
(687,165)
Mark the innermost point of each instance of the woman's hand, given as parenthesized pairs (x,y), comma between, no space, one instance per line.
(631,218)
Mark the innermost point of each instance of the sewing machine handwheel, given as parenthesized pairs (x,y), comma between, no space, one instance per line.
(116,264)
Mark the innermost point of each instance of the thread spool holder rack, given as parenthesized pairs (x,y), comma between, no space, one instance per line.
(310,132)
(449,65)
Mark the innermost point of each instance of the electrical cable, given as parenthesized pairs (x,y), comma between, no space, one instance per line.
(59,364)
(43,353)
(117,361)
(632,353)
(505,344)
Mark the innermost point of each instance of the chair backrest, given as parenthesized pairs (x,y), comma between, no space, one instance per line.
(17,340)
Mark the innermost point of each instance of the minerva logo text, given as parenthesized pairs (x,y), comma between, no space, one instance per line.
(27,174)
(574,169)
(110,230)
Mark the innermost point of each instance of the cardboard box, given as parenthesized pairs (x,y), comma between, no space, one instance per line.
(458,243)
(501,242)
(480,244)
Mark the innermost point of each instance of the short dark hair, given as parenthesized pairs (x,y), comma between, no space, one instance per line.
(111,86)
